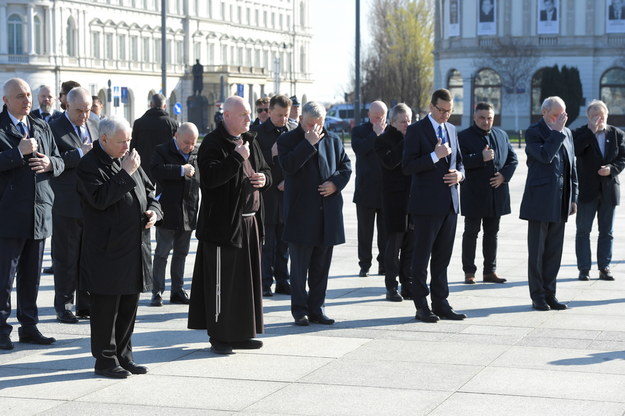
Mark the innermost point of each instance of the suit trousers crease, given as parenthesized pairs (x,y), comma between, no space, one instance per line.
(398,259)
(310,263)
(275,256)
(544,246)
(368,218)
(166,240)
(586,212)
(489,243)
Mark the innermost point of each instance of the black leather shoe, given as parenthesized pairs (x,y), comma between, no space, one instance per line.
(157,300)
(179,298)
(219,347)
(381,271)
(115,372)
(393,296)
(449,314)
(584,275)
(604,274)
(5,342)
(250,344)
(555,304)
(303,321)
(31,335)
(405,293)
(283,288)
(540,305)
(82,313)
(320,319)
(267,293)
(363,273)
(426,315)
(48,270)
(66,317)
(492,278)
(134,368)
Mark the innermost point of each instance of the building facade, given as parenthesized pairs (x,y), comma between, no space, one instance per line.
(113,48)
(480,44)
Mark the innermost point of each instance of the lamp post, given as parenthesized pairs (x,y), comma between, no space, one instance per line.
(357,65)
(164,47)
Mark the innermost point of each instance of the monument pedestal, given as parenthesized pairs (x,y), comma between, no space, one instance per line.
(197,106)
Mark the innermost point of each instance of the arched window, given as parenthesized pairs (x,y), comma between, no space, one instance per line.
(71,37)
(16,35)
(38,36)
(302,15)
(129,106)
(454,85)
(487,87)
(172,102)
(536,112)
(612,91)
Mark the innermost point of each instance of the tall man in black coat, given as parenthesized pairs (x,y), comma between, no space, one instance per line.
(74,134)
(395,191)
(174,168)
(600,151)
(316,169)
(45,111)
(368,191)
(119,207)
(28,160)
(151,129)
(226,297)
(432,156)
(275,256)
(549,198)
(489,162)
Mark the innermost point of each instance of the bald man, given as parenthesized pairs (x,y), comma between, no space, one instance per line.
(29,158)
(226,295)
(368,191)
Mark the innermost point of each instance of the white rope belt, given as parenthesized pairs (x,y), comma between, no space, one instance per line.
(218,284)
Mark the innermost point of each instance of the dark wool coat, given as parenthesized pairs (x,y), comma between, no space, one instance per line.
(368,190)
(148,131)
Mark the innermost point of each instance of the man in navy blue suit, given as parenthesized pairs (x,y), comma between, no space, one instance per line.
(432,157)
(316,169)
(550,197)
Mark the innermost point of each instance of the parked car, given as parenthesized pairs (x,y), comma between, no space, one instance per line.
(345,112)
(336,125)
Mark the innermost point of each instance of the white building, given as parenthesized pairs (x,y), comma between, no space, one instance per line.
(586,34)
(257,47)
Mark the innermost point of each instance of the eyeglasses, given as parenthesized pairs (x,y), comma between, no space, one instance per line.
(443,111)
(260,110)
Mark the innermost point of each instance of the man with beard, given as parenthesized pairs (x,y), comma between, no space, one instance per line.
(46,101)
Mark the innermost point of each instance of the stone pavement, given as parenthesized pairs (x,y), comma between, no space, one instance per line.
(376,360)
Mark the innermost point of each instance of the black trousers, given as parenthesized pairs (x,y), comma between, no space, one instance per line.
(434,243)
(275,256)
(312,262)
(112,325)
(21,258)
(398,259)
(66,239)
(489,243)
(367,217)
(544,249)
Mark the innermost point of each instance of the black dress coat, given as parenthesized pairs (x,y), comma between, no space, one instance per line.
(590,160)
(368,190)
(179,195)
(221,180)
(115,256)
(148,131)
(389,147)
(306,212)
(37,114)
(26,198)
(66,199)
(477,198)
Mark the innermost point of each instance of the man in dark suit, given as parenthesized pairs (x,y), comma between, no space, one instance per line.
(28,160)
(487,11)
(490,162)
(549,198)
(316,169)
(389,147)
(432,157)
(600,151)
(74,134)
(549,12)
(151,129)
(368,191)
(262,111)
(174,168)
(616,10)
(119,207)
(46,101)
(275,255)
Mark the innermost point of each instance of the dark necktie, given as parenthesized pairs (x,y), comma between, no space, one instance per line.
(22,128)
(45,115)
(79,134)
(441,136)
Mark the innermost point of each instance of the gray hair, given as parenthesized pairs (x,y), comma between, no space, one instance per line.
(550,101)
(400,109)
(110,126)
(158,101)
(313,109)
(79,93)
(595,104)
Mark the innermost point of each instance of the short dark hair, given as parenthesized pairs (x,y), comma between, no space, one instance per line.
(280,100)
(484,106)
(67,86)
(442,94)
(262,101)
(158,101)
(95,98)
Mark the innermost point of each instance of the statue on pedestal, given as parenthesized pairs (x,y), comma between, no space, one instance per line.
(198,82)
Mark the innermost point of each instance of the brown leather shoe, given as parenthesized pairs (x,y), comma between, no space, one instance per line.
(469,278)
(493,278)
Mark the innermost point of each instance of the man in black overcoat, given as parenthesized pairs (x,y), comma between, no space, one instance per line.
(489,163)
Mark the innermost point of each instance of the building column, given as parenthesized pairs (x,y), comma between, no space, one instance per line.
(31,29)
(48,30)
(4,41)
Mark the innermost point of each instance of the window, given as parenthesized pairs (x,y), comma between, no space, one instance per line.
(169,57)
(16,35)
(71,37)
(109,46)
(121,47)
(38,36)
(454,85)
(158,53)
(179,52)
(95,45)
(612,91)
(488,89)
(146,50)
(302,60)
(211,54)
(197,50)
(134,48)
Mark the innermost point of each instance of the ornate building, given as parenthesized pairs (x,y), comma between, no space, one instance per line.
(250,47)
(475,54)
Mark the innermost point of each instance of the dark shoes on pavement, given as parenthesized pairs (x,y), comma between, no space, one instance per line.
(66,317)
(283,288)
(135,368)
(604,274)
(469,278)
(584,275)
(493,278)
(5,342)
(225,348)
(547,304)
(267,293)
(31,335)
(425,315)
(157,300)
(303,321)
(363,273)
(180,298)
(449,314)
(115,372)
(393,296)
(320,319)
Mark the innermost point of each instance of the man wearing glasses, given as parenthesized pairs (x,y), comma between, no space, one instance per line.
(262,111)
(432,157)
